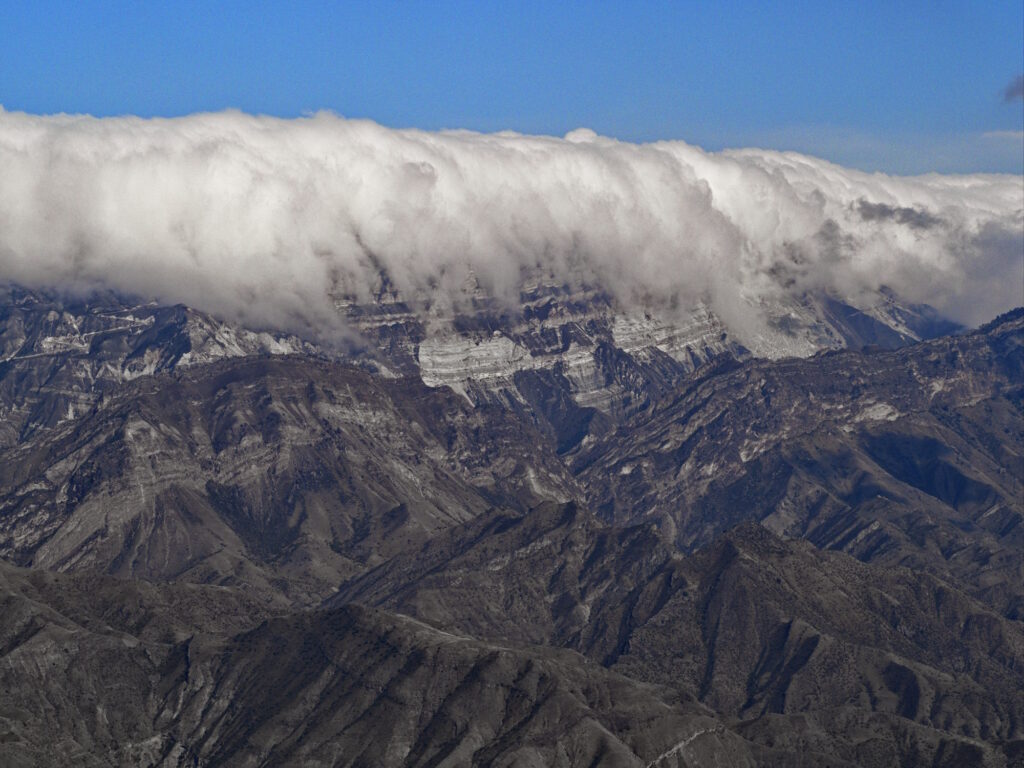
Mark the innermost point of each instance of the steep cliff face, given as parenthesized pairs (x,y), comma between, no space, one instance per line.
(557,534)
(576,360)
(594,358)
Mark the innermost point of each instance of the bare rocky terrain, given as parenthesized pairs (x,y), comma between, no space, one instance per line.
(557,534)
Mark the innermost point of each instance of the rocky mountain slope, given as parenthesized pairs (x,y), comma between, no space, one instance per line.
(756,627)
(264,468)
(912,457)
(59,356)
(576,360)
(558,534)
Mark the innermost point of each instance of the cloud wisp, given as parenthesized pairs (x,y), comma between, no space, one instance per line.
(265,220)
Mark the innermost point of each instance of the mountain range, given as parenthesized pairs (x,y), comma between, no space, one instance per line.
(563,532)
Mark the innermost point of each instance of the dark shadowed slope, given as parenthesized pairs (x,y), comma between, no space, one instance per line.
(806,648)
(88,685)
(253,469)
(913,457)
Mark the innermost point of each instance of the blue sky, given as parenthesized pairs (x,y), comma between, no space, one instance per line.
(904,87)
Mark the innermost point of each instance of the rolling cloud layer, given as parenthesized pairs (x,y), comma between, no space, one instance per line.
(263,220)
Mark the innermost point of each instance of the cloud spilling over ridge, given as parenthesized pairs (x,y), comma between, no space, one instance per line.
(263,220)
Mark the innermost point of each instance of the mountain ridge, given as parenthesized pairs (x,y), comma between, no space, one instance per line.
(271,553)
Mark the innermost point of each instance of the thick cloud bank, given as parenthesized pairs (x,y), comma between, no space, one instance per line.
(263,220)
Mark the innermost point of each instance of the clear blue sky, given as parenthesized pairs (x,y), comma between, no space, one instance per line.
(895,86)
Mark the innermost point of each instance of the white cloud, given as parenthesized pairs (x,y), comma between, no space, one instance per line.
(261,219)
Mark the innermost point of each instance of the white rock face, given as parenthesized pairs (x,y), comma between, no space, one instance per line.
(636,333)
(451,360)
(210,340)
(60,358)
(465,361)
(535,338)
(579,341)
